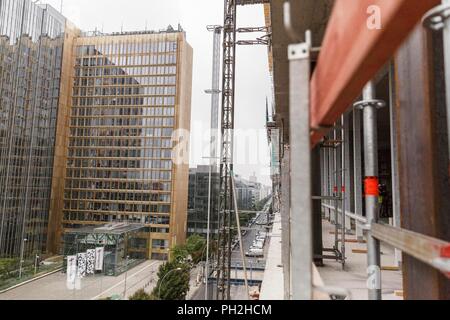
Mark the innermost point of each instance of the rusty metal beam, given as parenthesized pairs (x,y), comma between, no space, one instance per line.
(423,162)
(352,53)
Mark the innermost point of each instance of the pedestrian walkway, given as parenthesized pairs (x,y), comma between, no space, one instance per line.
(354,277)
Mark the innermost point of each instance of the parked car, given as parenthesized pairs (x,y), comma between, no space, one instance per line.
(255,253)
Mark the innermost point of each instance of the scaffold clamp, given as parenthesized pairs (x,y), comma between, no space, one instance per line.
(436,18)
(379,104)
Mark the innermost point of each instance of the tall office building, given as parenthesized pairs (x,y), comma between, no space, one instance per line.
(31,56)
(131,95)
(88,127)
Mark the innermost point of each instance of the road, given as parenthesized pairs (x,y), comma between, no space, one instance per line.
(259,225)
(53,287)
(238,292)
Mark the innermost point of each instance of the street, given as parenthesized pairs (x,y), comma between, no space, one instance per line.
(53,287)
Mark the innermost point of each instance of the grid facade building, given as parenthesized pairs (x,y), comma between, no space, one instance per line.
(130,99)
(31,54)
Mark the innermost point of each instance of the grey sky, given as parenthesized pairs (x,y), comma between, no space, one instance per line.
(253,81)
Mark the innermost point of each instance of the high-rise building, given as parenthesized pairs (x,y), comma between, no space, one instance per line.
(91,131)
(31,59)
(131,97)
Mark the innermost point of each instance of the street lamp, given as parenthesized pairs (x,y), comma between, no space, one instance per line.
(208,230)
(21,257)
(162,280)
(126,274)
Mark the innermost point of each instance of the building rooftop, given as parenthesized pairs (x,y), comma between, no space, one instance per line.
(98,33)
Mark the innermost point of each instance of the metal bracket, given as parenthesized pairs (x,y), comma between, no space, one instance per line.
(299,51)
(435,18)
(379,104)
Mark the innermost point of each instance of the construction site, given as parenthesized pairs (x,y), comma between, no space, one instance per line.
(359,132)
(99,200)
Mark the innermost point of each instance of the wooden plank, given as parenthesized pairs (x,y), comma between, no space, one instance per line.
(390,268)
(352,53)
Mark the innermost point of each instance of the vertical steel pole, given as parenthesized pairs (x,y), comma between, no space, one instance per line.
(395,161)
(342,187)
(358,170)
(301,197)
(371,194)
(336,190)
(347,166)
(446,35)
(285,220)
(326,179)
(330,178)
(208,235)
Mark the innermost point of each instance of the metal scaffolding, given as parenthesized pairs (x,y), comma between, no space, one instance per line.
(348,138)
(226,211)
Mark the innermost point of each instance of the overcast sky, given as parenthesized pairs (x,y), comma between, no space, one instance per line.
(253,81)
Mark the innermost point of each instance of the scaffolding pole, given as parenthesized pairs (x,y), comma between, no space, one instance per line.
(357,161)
(371,182)
(301,197)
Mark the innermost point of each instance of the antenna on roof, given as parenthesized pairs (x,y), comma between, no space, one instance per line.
(61,10)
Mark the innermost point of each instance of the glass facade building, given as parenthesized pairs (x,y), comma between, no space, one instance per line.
(31,45)
(131,93)
(88,126)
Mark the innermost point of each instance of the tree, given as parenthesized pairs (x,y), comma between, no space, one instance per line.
(172,284)
(196,246)
(141,295)
(180,253)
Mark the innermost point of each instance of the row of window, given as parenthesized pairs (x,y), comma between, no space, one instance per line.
(125,111)
(118,185)
(111,173)
(157,80)
(124,60)
(107,152)
(115,196)
(94,216)
(142,101)
(124,47)
(124,91)
(117,207)
(151,121)
(126,72)
(116,164)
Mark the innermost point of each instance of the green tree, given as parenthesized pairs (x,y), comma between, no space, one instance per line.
(173,281)
(196,246)
(180,253)
(140,295)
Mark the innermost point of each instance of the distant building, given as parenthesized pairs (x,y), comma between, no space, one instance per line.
(198,200)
